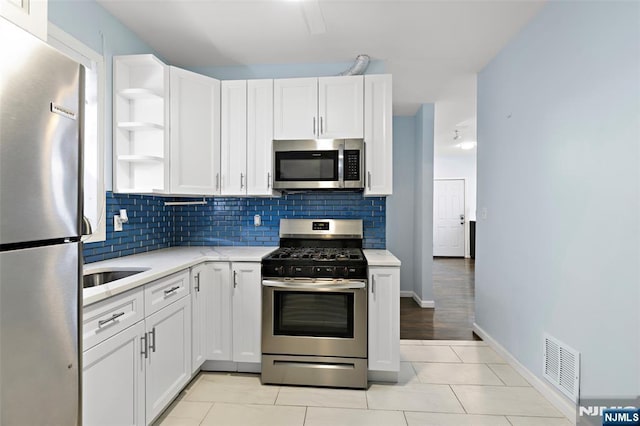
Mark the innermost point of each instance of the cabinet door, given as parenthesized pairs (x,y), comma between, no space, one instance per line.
(218,312)
(259,136)
(234,137)
(200,287)
(384,319)
(169,364)
(378,135)
(30,15)
(247,308)
(295,108)
(340,107)
(195,133)
(113,385)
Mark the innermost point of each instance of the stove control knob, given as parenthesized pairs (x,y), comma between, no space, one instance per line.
(279,270)
(345,272)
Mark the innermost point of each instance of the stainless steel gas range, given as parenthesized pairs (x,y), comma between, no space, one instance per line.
(314,305)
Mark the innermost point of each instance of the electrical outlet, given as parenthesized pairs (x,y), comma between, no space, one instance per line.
(117,223)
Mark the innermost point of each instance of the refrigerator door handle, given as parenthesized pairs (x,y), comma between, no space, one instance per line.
(86,226)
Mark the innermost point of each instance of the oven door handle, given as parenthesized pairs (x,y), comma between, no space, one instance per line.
(310,285)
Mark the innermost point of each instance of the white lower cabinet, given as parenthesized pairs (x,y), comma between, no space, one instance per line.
(384,319)
(130,377)
(113,375)
(168,365)
(247,312)
(199,293)
(233,310)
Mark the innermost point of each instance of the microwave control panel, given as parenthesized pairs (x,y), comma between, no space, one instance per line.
(351,164)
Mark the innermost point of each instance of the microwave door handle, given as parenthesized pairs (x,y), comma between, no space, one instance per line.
(341,165)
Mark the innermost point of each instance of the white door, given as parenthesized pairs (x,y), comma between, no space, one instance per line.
(200,288)
(247,308)
(219,312)
(195,133)
(259,136)
(234,137)
(448,217)
(378,135)
(341,107)
(295,108)
(113,385)
(384,319)
(169,364)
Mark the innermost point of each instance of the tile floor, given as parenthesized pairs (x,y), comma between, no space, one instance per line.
(461,383)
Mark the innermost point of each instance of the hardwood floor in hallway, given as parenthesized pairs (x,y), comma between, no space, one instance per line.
(453,286)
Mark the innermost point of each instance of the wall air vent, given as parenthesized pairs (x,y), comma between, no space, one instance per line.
(561,366)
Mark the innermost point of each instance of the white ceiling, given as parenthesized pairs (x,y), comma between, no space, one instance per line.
(433,48)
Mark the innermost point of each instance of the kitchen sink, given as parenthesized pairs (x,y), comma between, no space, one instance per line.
(97,278)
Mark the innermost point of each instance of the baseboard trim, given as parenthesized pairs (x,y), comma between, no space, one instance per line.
(420,302)
(554,397)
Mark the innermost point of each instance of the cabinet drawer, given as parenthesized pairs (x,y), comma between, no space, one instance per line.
(165,291)
(104,319)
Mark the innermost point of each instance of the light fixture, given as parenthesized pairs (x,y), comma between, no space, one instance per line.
(466,145)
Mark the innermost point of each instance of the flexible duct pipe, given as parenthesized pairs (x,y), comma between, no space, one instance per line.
(359,66)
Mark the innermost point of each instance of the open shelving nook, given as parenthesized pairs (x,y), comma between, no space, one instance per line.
(140,125)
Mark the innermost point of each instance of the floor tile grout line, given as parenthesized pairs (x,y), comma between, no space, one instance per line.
(304,420)
(458,356)
(458,399)
(208,411)
(496,374)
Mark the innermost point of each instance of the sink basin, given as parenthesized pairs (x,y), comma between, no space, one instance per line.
(93,279)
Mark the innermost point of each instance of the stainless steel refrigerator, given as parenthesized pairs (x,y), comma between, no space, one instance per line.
(40,226)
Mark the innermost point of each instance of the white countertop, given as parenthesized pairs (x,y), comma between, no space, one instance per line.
(380,258)
(160,263)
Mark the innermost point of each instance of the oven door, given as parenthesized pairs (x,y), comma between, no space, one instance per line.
(305,317)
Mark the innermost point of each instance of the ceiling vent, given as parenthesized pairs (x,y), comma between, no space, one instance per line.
(562,367)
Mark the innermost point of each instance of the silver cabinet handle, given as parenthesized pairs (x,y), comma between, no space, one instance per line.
(113,318)
(369,180)
(171,290)
(217,181)
(373,285)
(197,278)
(241,180)
(235,279)
(144,350)
(152,333)
(314,125)
(321,126)
(268,180)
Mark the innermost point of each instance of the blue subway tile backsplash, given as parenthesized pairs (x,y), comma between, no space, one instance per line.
(228,221)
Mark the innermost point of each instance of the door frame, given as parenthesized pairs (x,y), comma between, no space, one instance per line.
(466,235)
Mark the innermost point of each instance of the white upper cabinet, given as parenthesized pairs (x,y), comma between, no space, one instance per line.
(195,133)
(340,107)
(259,137)
(378,135)
(318,108)
(295,109)
(30,15)
(140,124)
(234,137)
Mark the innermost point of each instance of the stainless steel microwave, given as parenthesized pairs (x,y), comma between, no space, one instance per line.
(318,164)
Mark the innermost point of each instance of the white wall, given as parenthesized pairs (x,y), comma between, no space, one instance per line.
(559,175)
(461,166)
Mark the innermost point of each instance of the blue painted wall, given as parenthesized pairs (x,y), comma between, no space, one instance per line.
(558,250)
(400,205)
